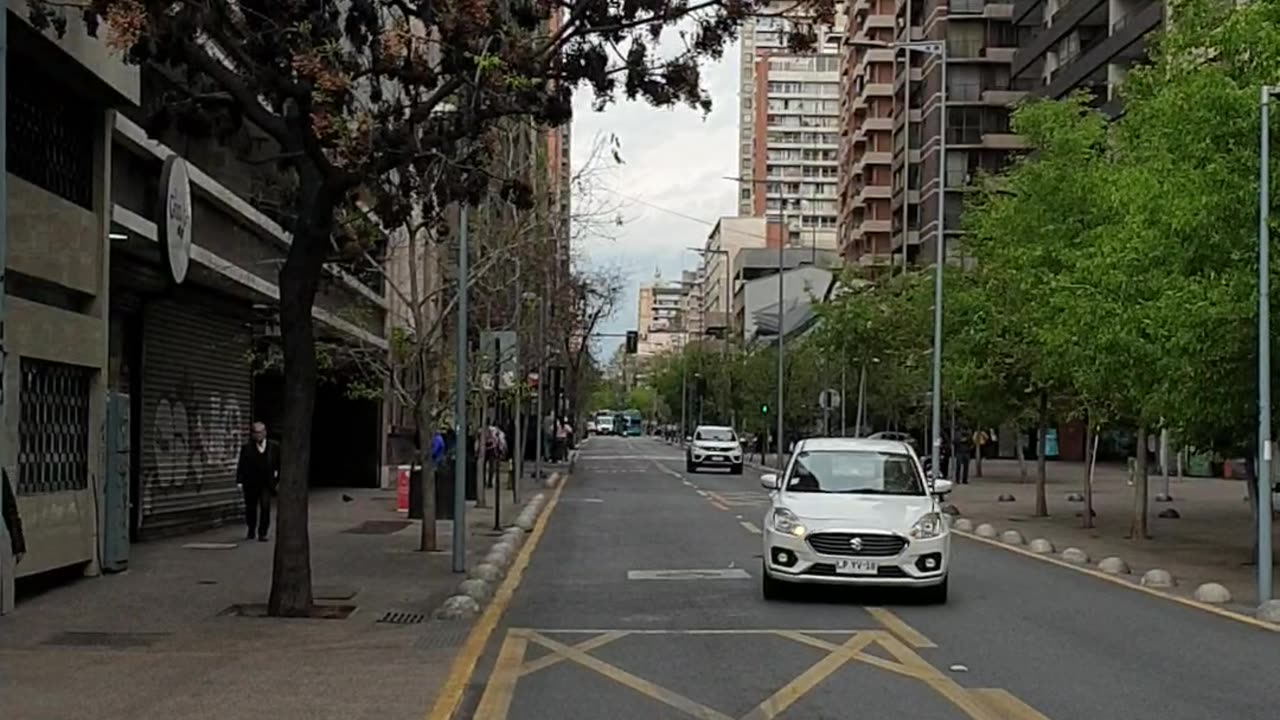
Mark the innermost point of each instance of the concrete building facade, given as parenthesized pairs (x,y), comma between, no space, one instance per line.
(788,131)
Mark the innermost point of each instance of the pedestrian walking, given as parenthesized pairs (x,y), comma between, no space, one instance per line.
(12,521)
(258,475)
(964,451)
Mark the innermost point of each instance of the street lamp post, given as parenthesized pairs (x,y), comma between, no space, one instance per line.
(939,49)
(460,405)
(1264,347)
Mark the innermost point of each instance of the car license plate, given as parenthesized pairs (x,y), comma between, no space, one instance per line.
(857,567)
(716,458)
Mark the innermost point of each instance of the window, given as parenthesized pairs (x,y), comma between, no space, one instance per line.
(53,429)
(854,473)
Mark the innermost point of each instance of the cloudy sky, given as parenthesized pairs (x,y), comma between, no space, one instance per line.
(670,188)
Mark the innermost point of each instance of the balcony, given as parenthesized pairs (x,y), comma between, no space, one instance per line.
(872,192)
(1125,33)
(878,124)
(874,226)
(1068,18)
(1002,98)
(1003,141)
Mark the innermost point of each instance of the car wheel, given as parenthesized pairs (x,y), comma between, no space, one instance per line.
(771,587)
(936,594)
(690,466)
(736,469)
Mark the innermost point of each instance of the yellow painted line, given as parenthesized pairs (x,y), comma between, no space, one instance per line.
(899,627)
(1006,705)
(751,528)
(936,679)
(639,684)
(594,643)
(464,665)
(788,694)
(719,506)
(495,704)
(703,493)
(873,637)
(1213,609)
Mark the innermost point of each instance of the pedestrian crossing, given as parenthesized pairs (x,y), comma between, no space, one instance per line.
(734,499)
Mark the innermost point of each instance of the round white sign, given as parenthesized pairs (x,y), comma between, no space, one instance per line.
(175,216)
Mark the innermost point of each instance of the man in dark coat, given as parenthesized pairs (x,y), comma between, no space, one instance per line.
(257,474)
(9,507)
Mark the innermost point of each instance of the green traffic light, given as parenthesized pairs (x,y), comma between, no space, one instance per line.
(764,409)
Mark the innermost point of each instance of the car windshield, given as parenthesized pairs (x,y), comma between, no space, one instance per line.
(854,472)
(714,435)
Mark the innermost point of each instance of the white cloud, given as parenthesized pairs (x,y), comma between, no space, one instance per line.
(675,164)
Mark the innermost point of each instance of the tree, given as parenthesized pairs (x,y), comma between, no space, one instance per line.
(352,91)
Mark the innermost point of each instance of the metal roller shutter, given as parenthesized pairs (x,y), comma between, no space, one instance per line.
(196,404)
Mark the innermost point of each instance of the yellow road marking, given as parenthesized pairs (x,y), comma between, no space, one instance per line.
(594,643)
(941,683)
(703,493)
(751,528)
(900,628)
(709,631)
(874,635)
(465,663)
(719,506)
(1124,583)
(496,701)
(639,684)
(788,694)
(1006,705)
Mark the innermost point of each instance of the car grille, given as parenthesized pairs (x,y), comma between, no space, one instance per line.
(871,545)
(829,570)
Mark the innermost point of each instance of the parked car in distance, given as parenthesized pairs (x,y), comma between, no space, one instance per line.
(713,446)
(851,511)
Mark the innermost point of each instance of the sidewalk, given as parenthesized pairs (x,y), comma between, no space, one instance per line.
(152,644)
(1210,542)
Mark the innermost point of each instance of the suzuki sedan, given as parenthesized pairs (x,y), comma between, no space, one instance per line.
(856,512)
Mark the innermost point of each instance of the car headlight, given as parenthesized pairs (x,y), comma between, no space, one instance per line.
(786,522)
(930,526)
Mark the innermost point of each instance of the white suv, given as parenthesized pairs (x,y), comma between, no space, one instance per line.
(714,446)
(856,512)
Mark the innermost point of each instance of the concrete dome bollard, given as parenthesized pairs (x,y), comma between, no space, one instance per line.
(1040,546)
(962,524)
(458,607)
(1213,593)
(1075,556)
(1012,537)
(1114,566)
(1157,578)
(985,530)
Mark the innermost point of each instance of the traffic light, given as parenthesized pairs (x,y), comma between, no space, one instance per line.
(633,342)
(764,409)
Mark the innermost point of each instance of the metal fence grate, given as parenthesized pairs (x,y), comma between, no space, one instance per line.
(50,138)
(53,432)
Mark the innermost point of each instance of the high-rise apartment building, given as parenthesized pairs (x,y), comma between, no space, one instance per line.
(867,75)
(1082,44)
(980,39)
(789,138)
(660,317)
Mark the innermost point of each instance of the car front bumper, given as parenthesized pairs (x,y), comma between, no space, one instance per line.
(908,568)
(716,459)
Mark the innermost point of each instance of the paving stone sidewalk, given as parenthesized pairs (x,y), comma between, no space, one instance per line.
(1209,542)
(152,644)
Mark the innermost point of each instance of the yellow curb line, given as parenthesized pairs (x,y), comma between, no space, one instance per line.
(464,665)
(1221,612)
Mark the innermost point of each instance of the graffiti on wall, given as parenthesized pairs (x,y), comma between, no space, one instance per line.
(195,438)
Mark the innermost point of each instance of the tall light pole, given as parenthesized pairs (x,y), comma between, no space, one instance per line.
(1264,348)
(460,405)
(939,49)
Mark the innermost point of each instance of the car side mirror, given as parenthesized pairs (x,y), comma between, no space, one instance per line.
(941,487)
(688,438)
(769,481)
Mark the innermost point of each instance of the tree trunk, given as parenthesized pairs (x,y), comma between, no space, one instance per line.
(1022,458)
(1042,502)
(299,277)
(1138,529)
(1089,452)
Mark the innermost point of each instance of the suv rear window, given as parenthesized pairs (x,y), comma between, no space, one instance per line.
(714,435)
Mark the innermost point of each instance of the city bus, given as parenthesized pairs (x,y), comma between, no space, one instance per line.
(633,423)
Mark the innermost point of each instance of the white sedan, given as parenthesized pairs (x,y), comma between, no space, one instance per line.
(856,512)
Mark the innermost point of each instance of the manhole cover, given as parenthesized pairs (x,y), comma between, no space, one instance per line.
(105,639)
(395,617)
(378,527)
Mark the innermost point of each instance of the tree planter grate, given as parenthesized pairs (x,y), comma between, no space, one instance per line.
(394,617)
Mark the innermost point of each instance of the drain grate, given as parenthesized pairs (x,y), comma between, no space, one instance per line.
(76,638)
(395,617)
(378,527)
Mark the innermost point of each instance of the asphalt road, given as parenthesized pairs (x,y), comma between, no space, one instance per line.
(586,638)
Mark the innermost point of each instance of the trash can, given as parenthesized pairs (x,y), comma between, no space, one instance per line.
(444,490)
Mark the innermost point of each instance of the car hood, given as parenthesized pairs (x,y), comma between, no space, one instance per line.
(871,512)
(713,446)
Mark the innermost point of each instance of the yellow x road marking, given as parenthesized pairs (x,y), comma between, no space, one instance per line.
(980,704)
(738,498)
